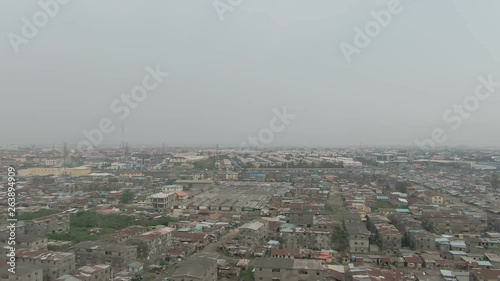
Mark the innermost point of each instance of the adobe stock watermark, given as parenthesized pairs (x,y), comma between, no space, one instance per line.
(372,29)
(461,111)
(123,106)
(223,6)
(48,9)
(266,135)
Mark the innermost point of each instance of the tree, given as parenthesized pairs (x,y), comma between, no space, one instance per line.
(188,187)
(494,181)
(126,197)
(402,186)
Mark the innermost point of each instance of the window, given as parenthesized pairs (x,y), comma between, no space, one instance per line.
(301,271)
(276,270)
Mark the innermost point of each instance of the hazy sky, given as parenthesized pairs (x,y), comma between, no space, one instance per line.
(226,76)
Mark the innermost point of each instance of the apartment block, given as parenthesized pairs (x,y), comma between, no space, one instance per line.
(23,273)
(306,238)
(358,236)
(26,241)
(422,240)
(387,236)
(301,218)
(154,243)
(123,235)
(56,223)
(284,269)
(197,268)
(252,233)
(54,264)
(101,252)
(453,224)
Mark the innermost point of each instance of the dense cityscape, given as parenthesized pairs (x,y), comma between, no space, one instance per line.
(178,213)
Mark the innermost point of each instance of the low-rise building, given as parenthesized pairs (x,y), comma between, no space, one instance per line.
(301,218)
(422,240)
(54,264)
(432,197)
(100,272)
(22,273)
(154,243)
(284,269)
(453,224)
(387,236)
(162,201)
(252,233)
(197,268)
(123,235)
(56,223)
(101,252)
(26,241)
(306,238)
(358,236)
(484,274)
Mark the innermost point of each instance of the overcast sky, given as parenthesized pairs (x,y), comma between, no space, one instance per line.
(227,76)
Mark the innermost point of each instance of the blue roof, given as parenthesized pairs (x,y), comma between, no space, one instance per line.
(402,210)
(382,198)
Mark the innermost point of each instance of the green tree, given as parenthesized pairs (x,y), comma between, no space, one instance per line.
(402,186)
(247,274)
(126,197)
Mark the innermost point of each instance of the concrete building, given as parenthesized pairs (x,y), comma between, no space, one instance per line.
(23,273)
(252,233)
(422,240)
(306,238)
(232,176)
(279,269)
(100,272)
(197,268)
(26,241)
(387,236)
(484,274)
(123,235)
(46,171)
(56,223)
(100,252)
(54,264)
(434,198)
(162,201)
(351,217)
(154,243)
(453,224)
(487,244)
(301,218)
(359,237)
